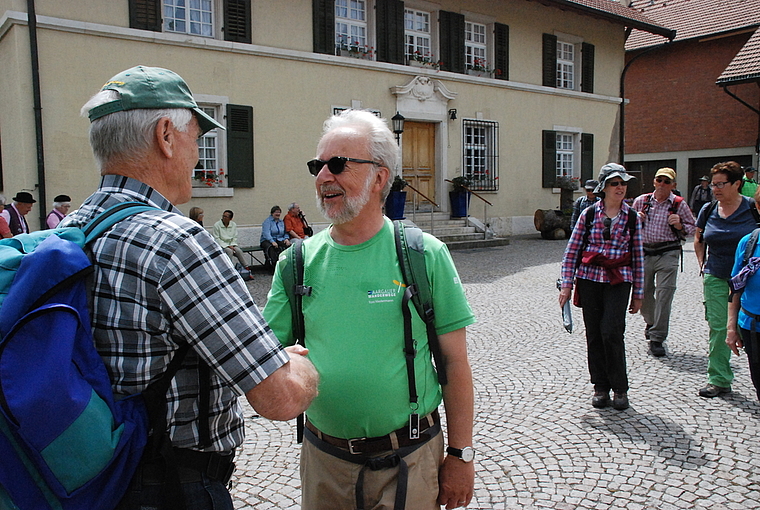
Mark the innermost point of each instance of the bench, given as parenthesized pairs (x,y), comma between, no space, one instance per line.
(248,240)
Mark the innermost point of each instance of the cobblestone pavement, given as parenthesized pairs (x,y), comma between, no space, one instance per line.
(539,442)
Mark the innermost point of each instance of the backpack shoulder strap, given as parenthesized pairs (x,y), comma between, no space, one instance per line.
(676,205)
(292,282)
(753,210)
(112,216)
(410,250)
(749,249)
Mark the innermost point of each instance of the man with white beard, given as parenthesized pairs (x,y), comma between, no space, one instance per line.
(367,445)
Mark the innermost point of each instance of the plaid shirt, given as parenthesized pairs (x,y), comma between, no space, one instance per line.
(656,228)
(617,246)
(160,281)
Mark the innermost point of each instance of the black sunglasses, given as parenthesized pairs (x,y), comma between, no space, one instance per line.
(336,165)
(663,179)
(606,232)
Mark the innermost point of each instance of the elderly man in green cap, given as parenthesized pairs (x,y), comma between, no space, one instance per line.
(161,281)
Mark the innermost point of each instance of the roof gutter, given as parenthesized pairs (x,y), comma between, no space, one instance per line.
(32,23)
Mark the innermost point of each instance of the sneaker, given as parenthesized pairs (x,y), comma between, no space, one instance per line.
(711,391)
(601,399)
(657,349)
(620,401)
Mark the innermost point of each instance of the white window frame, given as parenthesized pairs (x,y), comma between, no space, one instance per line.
(568,151)
(213,141)
(418,42)
(354,33)
(210,19)
(568,61)
(476,46)
(480,153)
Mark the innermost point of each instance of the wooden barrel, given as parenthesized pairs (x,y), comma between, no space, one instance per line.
(553,224)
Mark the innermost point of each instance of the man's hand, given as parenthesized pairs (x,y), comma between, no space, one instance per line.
(456,482)
(675,221)
(635,306)
(564,296)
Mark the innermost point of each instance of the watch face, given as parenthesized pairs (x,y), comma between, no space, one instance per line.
(468,454)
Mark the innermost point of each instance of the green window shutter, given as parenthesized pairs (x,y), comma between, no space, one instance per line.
(501,47)
(587,68)
(390,31)
(237,21)
(145,15)
(323,25)
(587,157)
(549,159)
(239,146)
(550,61)
(451,30)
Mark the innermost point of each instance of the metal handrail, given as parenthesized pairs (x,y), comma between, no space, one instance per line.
(485,208)
(414,206)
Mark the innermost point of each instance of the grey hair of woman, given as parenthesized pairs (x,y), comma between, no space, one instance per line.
(127,135)
(56,205)
(382,144)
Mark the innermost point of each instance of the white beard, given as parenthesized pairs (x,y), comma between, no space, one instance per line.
(352,206)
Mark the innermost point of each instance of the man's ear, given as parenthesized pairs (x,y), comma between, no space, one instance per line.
(382,176)
(164,136)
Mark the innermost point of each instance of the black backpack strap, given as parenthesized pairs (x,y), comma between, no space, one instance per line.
(749,249)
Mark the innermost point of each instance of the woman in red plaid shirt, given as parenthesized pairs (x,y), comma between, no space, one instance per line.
(606,261)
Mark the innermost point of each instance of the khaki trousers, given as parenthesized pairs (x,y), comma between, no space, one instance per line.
(329,483)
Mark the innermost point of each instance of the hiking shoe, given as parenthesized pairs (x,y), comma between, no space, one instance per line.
(657,349)
(711,391)
(620,401)
(601,399)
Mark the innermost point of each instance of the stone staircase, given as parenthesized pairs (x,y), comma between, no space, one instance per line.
(454,232)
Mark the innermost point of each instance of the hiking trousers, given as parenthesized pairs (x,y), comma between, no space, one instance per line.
(660,275)
(716,293)
(604,308)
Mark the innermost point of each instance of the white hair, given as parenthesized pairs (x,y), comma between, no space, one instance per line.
(127,135)
(381,143)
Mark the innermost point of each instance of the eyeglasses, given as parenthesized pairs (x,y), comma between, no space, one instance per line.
(336,165)
(617,183)
(606,232)
(719,185)
(663,179)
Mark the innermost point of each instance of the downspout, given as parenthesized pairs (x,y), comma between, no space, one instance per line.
(32,22)
(621,142)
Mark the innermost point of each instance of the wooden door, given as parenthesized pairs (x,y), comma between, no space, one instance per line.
(418,160)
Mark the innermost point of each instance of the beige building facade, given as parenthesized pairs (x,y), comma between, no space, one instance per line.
(494,115)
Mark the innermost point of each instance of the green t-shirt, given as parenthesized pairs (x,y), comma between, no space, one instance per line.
(355,334)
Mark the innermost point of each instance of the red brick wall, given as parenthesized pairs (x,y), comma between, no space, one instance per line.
(675,104)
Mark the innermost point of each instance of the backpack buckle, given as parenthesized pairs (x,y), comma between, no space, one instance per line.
(303,290)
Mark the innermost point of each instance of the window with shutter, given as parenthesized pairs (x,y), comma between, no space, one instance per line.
(549,60)
(587,156)
(587,64)
(567,154)
(145,14)
(389,32)
(240,146)
(549,159)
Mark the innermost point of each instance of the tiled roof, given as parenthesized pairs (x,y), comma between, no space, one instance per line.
(745,67)
(612,10)
(694,18)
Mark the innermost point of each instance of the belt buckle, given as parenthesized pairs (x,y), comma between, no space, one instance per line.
(351,445)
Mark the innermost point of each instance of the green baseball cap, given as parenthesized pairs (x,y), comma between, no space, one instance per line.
(151,88)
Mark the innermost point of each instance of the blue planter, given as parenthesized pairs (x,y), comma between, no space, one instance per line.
(394,205)
(460,202)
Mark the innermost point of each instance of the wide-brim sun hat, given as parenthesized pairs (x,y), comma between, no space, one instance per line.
(609,171)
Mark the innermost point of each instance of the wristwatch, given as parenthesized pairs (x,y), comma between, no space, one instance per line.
(466,454)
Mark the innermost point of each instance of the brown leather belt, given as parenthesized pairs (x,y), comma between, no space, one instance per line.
(393,441)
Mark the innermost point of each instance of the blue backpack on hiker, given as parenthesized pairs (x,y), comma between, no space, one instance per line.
(65,443)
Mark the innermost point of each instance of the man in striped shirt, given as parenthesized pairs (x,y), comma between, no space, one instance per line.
(161,281)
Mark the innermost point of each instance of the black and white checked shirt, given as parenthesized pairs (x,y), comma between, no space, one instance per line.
(160,281)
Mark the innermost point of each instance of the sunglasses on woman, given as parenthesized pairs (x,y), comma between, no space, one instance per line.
(336,165)
(606,232)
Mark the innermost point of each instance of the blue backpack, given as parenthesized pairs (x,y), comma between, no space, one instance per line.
(65,443)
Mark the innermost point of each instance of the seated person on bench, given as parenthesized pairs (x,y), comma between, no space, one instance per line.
(225,233)
(274,237)
(295,222)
